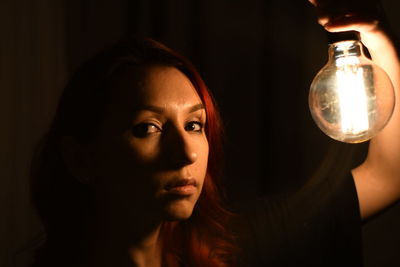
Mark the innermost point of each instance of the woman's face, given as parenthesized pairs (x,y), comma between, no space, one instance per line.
(151,151)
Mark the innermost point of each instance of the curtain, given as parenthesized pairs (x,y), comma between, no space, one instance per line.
(32,72)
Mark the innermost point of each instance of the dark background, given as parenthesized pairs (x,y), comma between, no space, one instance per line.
(257,56)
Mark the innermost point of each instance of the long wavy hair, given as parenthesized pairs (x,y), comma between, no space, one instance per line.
(64,204)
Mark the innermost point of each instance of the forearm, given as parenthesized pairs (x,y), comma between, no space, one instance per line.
(378,178)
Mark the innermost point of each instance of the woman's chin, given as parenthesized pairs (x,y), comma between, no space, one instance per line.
(178,210)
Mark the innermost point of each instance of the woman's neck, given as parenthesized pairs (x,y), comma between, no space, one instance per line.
(148,251)
(122,241)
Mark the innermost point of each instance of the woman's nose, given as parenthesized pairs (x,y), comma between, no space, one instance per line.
(181,149)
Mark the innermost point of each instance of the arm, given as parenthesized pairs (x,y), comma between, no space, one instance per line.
(377,179)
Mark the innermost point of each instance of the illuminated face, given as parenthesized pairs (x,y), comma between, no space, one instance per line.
(151,152)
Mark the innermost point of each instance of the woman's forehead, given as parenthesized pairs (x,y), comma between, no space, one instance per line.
(161,86)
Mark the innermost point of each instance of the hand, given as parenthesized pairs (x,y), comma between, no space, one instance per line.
(343,15)
(364,16)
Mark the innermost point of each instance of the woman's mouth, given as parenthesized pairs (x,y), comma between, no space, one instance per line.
(182,186)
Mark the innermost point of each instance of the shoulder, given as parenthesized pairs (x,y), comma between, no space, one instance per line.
(25,256)
(309,226)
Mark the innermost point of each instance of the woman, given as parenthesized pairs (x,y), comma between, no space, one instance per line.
(129,153)
(128,174)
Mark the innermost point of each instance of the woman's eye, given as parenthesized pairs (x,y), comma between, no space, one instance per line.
(145,129)
(194,126)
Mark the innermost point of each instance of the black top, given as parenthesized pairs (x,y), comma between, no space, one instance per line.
(319,225)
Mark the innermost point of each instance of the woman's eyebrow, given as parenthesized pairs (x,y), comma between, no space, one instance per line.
(196,108)
(160,110)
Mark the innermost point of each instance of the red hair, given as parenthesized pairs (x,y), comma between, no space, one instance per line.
(203,239)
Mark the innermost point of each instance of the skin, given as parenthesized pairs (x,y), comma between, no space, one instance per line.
(377,179)
(152,134)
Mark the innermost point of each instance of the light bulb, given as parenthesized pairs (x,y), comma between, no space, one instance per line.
(351,98)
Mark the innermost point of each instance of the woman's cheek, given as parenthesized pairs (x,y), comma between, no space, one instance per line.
(144,151)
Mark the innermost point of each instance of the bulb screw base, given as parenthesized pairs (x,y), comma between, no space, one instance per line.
(334,37)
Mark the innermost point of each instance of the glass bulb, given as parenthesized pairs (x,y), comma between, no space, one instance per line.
(351,99)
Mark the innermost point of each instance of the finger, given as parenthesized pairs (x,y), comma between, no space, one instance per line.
(326,20)
(314,2)
(351,22)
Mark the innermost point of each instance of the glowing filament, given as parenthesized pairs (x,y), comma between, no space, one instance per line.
(352,99)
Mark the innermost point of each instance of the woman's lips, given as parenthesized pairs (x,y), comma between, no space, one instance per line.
(183,187)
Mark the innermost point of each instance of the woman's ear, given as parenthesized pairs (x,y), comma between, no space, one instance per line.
(76,158)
